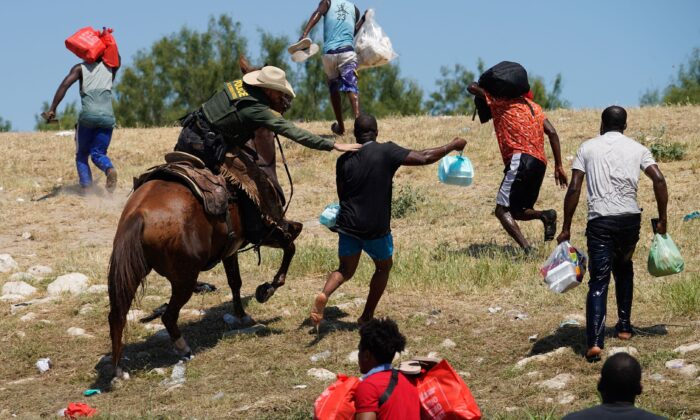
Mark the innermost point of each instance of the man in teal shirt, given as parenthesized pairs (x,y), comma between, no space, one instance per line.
(341,21)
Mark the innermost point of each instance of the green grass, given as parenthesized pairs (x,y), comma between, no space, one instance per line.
(683,295)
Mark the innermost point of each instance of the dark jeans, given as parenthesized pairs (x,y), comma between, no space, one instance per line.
(611,244)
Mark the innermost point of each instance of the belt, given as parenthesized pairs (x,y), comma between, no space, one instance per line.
(341,50)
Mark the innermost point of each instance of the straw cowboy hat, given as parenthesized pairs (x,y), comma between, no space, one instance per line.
(270,77)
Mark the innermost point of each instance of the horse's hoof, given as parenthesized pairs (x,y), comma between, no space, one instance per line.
(187,357)
(264,292)
(120,375)
(182,349)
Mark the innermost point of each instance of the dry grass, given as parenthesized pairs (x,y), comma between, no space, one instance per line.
(452,257)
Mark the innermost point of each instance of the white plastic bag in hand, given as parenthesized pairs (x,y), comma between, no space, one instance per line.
(372,45)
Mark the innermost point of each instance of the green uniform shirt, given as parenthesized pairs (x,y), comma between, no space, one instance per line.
(240,109)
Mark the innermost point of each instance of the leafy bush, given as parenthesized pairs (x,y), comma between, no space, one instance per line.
(667,152)
(405,202)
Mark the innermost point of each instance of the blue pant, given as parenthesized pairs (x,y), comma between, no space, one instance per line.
(611,244)
(378,249)
(92,143)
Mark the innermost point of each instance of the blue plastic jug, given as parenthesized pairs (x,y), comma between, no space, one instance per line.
(329,214)
(456,170)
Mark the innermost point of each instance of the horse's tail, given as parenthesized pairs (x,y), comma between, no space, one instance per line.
(127,266)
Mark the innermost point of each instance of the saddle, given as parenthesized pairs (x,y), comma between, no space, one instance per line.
(190,171)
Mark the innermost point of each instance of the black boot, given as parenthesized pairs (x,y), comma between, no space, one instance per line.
(253,228)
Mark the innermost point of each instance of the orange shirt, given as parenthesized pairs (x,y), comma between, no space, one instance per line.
(517,129)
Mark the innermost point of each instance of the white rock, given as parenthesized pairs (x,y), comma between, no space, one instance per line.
(18,288)
(134,315)
(658,377)
(40,271)
(27,235)
(20,200)
(534,374)
(7,263)
(12,298)
(353,357)
(98,289)
(153,327)
(464,374)
(540,357)
(627,349)
(29,316)
(177,377)
(321,374)
(21,277)
(77,332)
(566,398)
(675,364)
(532,338)
(433,355)
(320,356)
(302,386)
(448,344)
(73,283)
(558,382)
(86,309)
(682,349)
(43,365)
(255,329)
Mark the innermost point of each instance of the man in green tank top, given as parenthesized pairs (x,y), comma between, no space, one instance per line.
(218,130)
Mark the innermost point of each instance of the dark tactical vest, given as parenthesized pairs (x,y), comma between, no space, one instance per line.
(221,111)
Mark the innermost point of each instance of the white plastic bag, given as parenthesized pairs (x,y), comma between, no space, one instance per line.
(564,269)
(372,46)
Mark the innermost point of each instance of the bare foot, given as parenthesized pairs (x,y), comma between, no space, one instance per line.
(593,354)
(624,335)
(317,309)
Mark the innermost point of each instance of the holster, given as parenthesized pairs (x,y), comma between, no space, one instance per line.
(198,138)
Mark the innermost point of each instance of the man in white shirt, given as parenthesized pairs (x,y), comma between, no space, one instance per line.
(611,164)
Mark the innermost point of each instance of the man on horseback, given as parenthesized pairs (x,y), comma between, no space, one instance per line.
(217,132)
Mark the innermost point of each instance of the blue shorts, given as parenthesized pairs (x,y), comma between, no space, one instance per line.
(379,249)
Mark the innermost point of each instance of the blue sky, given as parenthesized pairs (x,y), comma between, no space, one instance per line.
(607,51)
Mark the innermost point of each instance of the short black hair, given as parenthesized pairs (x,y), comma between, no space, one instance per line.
(614,118)
(620,379)
(365,128)
(382,338)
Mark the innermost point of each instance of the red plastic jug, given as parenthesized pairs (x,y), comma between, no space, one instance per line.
(86,44)
(111,54)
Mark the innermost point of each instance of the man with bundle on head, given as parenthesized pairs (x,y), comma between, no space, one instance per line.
(520,127)
(341,21)
(620,384)
(364,182)
(611,163)
(217,132)
(384,393)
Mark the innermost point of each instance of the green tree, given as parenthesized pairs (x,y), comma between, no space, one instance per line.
(650,98)
(5,125)
(67,119)
(178,74)
(548,99)
(383,92)
(452,98)
(686,88)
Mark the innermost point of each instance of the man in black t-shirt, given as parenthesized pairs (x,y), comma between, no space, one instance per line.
(620,383)
(364,181)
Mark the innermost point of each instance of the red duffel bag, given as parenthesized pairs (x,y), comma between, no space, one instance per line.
(444,395)
(111,54)
(86,44)
(337,402)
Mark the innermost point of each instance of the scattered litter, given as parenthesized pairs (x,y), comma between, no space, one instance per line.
(320,356)
(7,263)
(255,329)
(92,391)
(177,377)
(627,349)
(540,357)
(533,338)
(300,386)
(495,309)
(448,344)
(687,348)
(79,410)
(321,374)
(571,322)
(219,395)
(690,216)
(558,382)
(43,365)
(28,236)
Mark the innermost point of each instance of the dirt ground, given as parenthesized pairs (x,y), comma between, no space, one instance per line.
(453,262)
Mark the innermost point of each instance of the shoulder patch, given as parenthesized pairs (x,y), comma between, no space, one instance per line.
(236,90)
(275,113)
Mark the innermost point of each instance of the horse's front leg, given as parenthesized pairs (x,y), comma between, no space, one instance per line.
(233,275)
(265,291)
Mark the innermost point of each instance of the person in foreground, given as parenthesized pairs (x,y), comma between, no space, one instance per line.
(364,182)
(341,21)
(611,163)
(520,127)
(620,384)
(217,132)
(384,393)
(96,121)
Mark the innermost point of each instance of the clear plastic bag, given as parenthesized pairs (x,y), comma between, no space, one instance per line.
(565,268)
(372,46)
(664,257)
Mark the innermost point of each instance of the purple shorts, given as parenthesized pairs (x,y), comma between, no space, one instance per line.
(341,69)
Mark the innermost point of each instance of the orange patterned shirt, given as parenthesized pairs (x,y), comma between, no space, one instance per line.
(519,129)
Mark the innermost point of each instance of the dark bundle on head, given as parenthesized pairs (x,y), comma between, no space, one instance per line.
(614,118)
(382,338)
(366,128)
(620,379)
